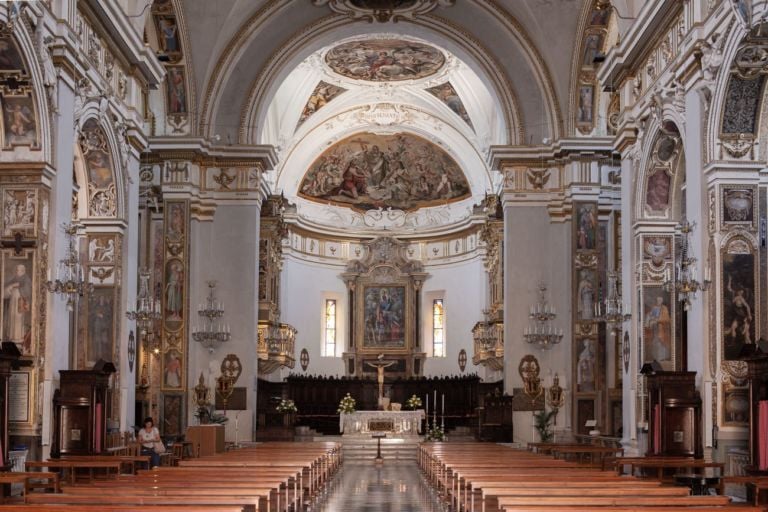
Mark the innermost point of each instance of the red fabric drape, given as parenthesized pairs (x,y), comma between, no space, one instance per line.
(657,428)
(762,435)
(97,436)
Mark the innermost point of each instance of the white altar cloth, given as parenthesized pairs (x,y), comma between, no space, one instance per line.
(404,422)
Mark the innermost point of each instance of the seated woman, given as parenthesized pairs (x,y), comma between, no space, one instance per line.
(148,436)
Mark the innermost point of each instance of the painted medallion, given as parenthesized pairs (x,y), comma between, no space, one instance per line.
(384,60)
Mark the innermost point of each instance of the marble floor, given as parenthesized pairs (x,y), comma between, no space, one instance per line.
(391,487)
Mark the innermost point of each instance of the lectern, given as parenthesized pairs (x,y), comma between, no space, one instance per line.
(81,407)
(674,413)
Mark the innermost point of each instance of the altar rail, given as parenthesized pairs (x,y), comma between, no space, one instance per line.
(317,398)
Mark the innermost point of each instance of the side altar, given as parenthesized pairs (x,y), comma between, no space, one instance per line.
(399,423)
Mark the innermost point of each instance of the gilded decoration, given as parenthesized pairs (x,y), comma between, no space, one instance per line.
(383,11)
(385,60)
(386,286)
(174,293)
(367,171)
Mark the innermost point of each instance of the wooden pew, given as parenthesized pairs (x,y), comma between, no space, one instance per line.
(513,480)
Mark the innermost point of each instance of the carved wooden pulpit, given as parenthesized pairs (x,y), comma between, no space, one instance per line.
(757,372)
(9,360)
(80,411)
(674,414)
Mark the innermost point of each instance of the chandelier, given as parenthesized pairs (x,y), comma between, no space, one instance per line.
(684,282)
(70,280)
(611,309)
(212,331)
(540,331)
(147,306)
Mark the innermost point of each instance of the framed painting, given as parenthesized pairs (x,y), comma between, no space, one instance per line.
(101,313)
(738,205)
(19,212)
(658,326)
(19,120)
(738,298)
(384,317)
(173,414)
(657,191)
(18,306)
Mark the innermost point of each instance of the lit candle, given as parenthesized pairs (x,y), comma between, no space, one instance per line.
(427,409)
(443,407)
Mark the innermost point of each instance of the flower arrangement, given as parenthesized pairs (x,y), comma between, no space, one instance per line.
(347,405)
(435,433)
(286,406)
(413,403)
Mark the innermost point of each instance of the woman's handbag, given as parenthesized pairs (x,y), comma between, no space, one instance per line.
(159,447)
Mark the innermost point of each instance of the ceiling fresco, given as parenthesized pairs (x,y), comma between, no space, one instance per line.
(385,60)
(368,171)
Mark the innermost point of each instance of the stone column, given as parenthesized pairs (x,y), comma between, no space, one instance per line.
(57,343)
(696,206)
(629,294)
(226,250)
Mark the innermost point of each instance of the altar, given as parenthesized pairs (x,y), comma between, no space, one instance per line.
(395,422)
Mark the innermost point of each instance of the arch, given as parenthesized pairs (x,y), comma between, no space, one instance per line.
(30,97)
(166,33)
(221,86)
(103,184)
(587,111)
(659,185)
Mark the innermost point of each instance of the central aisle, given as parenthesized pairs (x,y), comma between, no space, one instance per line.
(391,487)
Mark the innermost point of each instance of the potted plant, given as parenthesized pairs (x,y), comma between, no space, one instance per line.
(543,425)
(289,410)
(436,433)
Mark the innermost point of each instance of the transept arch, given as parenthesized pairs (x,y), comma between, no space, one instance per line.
(217,117)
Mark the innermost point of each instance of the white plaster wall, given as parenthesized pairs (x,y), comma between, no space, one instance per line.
(536,250)
(464,286)
(227,251)
(303,287)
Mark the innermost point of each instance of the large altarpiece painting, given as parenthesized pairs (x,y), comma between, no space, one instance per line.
(384,287)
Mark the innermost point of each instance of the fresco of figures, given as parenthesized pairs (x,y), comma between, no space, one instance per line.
(384,317)
(19,208)
(321,95)
(10,57)
(738,303)
(658,189)
(176,89)
(657,325)
(19,122)
(367,171)
(18,300)
(101,307)
(586,227)
(448,95)
(384,60)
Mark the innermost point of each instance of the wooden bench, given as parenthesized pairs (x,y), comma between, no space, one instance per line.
(475,476)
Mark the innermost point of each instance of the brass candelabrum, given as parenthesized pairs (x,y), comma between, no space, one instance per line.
(202,400)
(225,386)
(555,396)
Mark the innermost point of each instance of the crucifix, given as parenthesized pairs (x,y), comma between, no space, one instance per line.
(18,243)
(380,364)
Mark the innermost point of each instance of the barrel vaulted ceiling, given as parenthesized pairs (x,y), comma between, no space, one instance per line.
(241,48)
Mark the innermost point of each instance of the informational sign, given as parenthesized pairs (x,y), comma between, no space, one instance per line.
(18,397)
